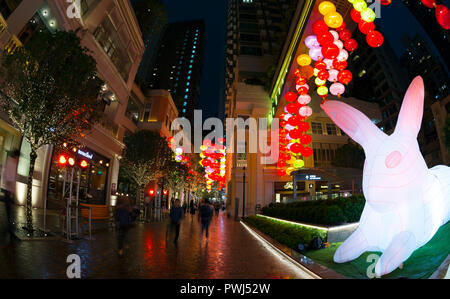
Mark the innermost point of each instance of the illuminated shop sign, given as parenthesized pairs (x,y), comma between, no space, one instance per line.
(85,154)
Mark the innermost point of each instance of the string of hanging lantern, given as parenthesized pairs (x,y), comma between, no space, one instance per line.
(214,161)
(329,47)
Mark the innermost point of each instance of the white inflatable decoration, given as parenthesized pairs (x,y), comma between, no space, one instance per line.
(406,202)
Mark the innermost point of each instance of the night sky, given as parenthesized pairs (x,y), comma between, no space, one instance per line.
(395,21)
(214,13)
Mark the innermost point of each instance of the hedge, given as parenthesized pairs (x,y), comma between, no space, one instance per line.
(288,234)
(326,212)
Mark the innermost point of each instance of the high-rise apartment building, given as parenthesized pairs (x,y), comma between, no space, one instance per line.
(438,35)
(179,63)
(419,60)
(152,18)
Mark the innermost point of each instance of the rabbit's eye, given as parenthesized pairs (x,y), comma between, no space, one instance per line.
(393,159)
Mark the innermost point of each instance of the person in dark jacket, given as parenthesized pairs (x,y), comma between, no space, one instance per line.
(205,212)
(176,213)
(125,217)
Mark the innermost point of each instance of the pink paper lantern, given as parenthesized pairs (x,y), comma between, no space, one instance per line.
(333,75)
(316,53)
(311,42)
(339,44)
(343,55)
(305,111)
(304,99)
(337,89)
(329,63)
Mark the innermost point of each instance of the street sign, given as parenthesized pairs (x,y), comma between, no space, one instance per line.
(308,177)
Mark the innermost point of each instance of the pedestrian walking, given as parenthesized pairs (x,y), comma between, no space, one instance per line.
(125,215)
(217,208)
(176,213)
(192,209)
(9,177)
(205,212)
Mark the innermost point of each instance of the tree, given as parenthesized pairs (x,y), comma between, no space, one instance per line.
(350,155)
(175,176)
(50,91)
(146,158)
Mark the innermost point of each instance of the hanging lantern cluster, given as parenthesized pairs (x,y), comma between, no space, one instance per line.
(178,151)
(441,12)
(293,139)
(214,161)
(330,49)
(365,18)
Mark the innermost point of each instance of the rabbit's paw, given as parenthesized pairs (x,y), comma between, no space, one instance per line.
(352,248)
(399,250)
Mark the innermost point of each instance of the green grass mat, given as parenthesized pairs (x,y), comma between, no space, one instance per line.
(421,264)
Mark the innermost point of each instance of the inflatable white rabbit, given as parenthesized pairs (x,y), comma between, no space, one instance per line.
(406,202)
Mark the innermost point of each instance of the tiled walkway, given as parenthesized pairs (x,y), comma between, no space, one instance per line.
(230,253)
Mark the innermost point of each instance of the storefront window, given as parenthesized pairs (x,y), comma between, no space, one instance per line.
(93,179)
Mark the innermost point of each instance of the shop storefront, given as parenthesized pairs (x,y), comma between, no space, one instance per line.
(93,178)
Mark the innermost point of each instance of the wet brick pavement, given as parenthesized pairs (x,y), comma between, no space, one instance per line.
(230,253)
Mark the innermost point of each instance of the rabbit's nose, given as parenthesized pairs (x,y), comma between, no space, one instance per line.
(393,159)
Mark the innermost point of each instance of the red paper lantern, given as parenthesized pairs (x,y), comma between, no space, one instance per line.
(307,151)
(320,27)
(305,139)
(281,172)
(343,26)
(385,2)
(303,126)
(323,75)
(292,109)
(365,27)
(290,97)
(325,38)
(302,90)
(345,35)
(429,3)
(297,73)
(443,16)
(295,134)
(307,71)
(300,80)
(374,39)
(355,15)
(296,148)
(344,76)
(281,163)
(330,51)
(339,65)
(350,45)
(320,65)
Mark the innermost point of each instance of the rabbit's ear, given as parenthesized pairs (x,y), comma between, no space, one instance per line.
(354,123)
(410,115)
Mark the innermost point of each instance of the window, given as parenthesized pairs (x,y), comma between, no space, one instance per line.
(316,128)
(8,6)
(108,38)
(148,108)
(133,108)
(331,129)
(87,6)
